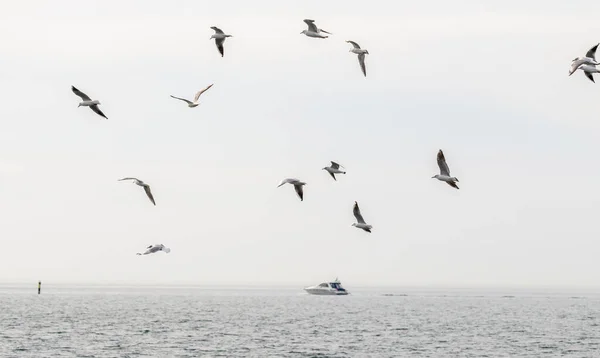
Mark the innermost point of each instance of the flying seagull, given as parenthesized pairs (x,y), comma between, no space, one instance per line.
(219,37)
(589,70)
(87,102)
(361,55)
(195,103)
(361,224)
(155,248)
(334,169)
(444,171)
(297,186)
(313,30)
(589,59)
(144,185)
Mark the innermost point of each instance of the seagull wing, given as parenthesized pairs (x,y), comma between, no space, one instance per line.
(361,61)
(592,52)
(589,75)
(136,179)
(575,65)
(149,193)
(357,214)
(98,111)
(311,25)
(332,175)
(299,191)
(220,47)
(452,184)
(441,160)
(354,44)
(80,94)
(335,165)
(200,92)
(321,30)
(182,99)
(217,30)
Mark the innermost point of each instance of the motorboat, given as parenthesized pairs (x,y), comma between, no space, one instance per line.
(333,288)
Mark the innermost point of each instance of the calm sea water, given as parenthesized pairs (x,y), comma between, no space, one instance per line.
(210,322)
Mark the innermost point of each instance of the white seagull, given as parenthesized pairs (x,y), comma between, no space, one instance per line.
(144,185)
(219,37)
(589,70)
(313,30)
(297,186)
(444,171)
(589,59)
(334,169)
(361,224)
(195,103)
(87,102)
(155,248)
(361,55)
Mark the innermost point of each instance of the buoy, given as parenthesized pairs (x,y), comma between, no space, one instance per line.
(39,287)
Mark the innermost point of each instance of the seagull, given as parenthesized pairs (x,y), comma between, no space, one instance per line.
(87,102)
(361,224)
(155,248)
(297,186)
(195,103)
(361,55)
(589,59)
(219,37)
(142,184)
(334,169)
(313,31)
(589,70)
(444,171)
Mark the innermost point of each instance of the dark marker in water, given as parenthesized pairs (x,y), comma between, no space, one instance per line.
(39,287)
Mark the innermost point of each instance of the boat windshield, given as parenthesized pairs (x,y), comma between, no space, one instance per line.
(323,285)
(335,285)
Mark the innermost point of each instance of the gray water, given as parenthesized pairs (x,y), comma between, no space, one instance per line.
(215,322)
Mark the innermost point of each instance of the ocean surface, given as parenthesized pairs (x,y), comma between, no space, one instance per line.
(80,321)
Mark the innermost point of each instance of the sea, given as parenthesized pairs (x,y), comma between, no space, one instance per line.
(116,321)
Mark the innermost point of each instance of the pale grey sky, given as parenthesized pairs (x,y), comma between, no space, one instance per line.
(484,81)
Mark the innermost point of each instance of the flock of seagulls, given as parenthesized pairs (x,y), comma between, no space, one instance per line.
(587,64)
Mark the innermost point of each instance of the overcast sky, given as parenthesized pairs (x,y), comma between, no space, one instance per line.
(487,82)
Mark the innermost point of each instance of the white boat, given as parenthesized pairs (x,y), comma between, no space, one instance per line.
(333,288)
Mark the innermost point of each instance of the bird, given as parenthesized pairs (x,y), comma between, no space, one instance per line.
(361,55)
(445,171)
(297,186)
(155,248)
(589,59)
(219,37)
(360,222)
(313,31)
(334,169)
(144,185)
(589,70)
(87,102)
(195,103)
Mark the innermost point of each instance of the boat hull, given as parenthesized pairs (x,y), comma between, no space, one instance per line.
(326,292)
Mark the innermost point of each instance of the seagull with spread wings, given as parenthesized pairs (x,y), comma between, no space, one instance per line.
(297,186)
(334,169)
(195,103)
(86,101)
(219,37)
(445,171)
(361,55)
(314,31)
(155,248)
(144,185)
(360,222)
